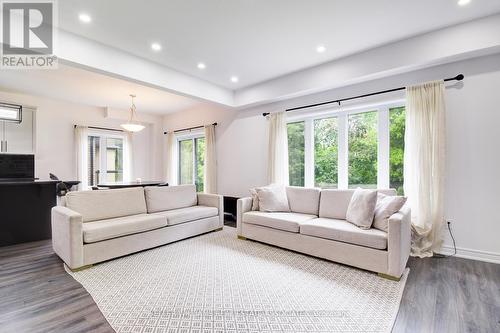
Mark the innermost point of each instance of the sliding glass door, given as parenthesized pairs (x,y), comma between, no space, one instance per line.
(192,161)
(105,159)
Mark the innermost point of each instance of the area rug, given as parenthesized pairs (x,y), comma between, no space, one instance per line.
(218,283)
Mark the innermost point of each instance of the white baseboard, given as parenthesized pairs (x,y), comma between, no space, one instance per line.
(472,254)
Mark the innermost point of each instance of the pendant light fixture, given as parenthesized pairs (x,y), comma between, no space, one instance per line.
(132,125)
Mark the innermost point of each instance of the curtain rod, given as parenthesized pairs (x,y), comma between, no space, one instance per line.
(103,128)
(459,77)
(189,128)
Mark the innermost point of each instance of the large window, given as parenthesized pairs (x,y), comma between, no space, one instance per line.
(348,148)
(192,161)
(105,158)
(296,153)
(363,143)
(325,153)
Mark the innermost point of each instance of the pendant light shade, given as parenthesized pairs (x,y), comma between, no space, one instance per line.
(132,125)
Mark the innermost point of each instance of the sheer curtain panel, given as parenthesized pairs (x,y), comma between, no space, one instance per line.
(278,149)
(424,165)
(210,172)
(81,150)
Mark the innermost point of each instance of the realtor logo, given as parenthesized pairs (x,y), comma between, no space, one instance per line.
(28,34)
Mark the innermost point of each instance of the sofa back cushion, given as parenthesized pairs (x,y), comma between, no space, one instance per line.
(107,204)
(161,198)
(333,203)
(303,200)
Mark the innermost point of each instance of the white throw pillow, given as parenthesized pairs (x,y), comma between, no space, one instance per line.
(386,206)
(255,199)
(272,199)
(362,208)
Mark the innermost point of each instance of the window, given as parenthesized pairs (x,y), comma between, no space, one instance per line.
(363,143)
(349,148)
(10,112)
(397,146)
(105,158)
(296,168)
(192,161)
(325,153)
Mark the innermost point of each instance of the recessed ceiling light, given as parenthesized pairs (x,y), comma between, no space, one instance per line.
(201,65)
(85,18)
(156,47)
(463,2)
(321,49)
(234,79)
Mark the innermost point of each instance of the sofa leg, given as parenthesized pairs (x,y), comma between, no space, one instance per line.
(389,277)
(241,237)
(80,268)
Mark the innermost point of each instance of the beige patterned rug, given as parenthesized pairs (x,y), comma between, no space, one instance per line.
(217,283)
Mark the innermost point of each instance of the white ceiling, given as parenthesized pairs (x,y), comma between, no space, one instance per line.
(85,87)
(258,39)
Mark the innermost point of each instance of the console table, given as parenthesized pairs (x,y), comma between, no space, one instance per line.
(131,184)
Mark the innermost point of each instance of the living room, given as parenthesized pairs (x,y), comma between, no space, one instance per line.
(319,166)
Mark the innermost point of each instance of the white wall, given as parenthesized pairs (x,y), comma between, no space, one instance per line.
(473,158)
(54,138)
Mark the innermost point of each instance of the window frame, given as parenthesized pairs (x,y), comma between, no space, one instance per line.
(103,135)
(342,114)
(193,135)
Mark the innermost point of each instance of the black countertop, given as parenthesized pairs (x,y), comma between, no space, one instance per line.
(28,182)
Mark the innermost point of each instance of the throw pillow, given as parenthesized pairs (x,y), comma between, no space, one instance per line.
(361,208)
(385,207)
(272,199)
(255,199)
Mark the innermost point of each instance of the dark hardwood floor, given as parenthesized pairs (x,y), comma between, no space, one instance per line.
(441,295)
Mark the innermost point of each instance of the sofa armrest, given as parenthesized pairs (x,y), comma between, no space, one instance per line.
(67,236)
(399,241)
(213,200)
(243,205)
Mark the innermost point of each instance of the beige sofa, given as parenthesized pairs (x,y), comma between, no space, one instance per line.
(95,226)
(316,226)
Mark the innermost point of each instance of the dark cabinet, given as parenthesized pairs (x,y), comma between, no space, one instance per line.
(25,211)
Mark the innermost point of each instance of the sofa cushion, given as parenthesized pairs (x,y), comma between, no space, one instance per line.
(107,204)
(333,203)
(187,214)
(343,231)
(272,199)
(386,206)
(282,221)
(361,208)
(161,198)
(122,226)
(303,200)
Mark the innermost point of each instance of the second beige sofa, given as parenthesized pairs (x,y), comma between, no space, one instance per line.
(316,225)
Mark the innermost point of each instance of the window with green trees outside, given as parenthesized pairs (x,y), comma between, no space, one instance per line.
(397,146)
(296,153)
(325,153)
(343,151)
(363,145)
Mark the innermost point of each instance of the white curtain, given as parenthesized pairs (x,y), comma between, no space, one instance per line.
(171,159)
(210,168)
(81,151)
(128,167)
(278,149)
(424,165)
